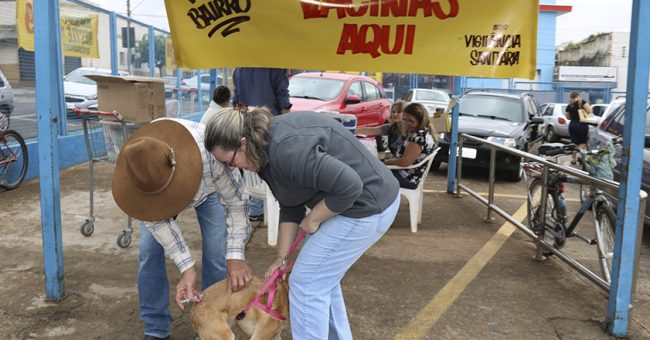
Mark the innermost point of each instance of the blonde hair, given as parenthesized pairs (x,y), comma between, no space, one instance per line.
(230,125)
(397,127)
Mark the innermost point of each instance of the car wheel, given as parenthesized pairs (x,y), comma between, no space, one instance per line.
(551,136)
(515,175)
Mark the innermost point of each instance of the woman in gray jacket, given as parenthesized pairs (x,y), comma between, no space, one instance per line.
(309,160)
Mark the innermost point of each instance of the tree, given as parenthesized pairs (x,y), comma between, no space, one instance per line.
(159,45)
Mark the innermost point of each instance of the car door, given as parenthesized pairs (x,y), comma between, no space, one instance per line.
(357,109)
(374,104)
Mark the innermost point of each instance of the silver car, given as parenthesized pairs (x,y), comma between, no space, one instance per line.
(6,95)
(430,98)
(556,124)
(81,91)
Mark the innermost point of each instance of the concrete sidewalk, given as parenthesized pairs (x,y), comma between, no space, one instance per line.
(456,278)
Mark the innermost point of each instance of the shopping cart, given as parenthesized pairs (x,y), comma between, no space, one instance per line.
(103,139)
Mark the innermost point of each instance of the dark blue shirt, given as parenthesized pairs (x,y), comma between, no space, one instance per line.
(256,86)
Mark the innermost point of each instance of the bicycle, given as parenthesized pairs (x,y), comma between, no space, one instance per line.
(553,225)
(13,157)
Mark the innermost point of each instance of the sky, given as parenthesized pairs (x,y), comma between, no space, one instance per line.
(587,16)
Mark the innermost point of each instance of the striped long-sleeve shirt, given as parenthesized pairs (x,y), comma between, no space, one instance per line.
(217,178)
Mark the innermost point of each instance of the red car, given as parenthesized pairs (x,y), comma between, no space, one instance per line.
(340,92)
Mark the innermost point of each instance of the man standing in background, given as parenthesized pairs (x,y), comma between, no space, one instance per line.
(260,86)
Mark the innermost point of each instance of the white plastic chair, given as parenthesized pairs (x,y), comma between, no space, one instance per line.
(415,196)
(259,189)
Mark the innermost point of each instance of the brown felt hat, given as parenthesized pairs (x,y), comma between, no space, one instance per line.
(158,171)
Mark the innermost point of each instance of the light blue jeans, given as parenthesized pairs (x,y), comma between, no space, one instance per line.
(153,286)
(317,309)
(255,206)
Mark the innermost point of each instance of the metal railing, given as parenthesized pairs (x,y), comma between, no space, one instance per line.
(489,202)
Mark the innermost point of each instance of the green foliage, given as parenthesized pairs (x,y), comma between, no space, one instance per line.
(159,45)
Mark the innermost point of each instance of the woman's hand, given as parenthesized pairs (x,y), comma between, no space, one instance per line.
(274,266)
(309,225)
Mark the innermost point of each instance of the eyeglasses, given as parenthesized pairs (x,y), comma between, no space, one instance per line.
(232,160)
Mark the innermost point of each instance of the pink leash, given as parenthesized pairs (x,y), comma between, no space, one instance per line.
(271,285)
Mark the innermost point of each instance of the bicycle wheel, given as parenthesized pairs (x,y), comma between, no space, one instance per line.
(554,232)
(13,160)
(605,226)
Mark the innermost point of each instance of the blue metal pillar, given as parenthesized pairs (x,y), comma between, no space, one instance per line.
(179,94)
(213,80)
(627,217)
(199,92)
(152,52)
(226,81)
(49,105)
(113,36)
(453,144)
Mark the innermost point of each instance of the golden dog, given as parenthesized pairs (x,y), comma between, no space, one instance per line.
(219,305)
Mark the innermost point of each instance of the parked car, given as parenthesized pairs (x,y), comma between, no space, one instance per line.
(507,119)
(556,124)
(430,98)
(612,127)
(6,101)
(170,85)
(340,92)
(192,83)
(599,109)
(81,91)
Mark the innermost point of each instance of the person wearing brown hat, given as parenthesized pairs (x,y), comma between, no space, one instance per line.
(162,170)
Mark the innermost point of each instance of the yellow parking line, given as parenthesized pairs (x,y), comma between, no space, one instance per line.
(429,315)
(485,194)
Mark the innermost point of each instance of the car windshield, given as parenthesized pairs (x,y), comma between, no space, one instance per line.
(78,76)
(492,107)
(315,88)
(431,96)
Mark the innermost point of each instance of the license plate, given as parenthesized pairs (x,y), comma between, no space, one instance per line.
(468,153)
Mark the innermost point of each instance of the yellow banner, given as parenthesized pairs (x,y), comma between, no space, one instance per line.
(448,37)
(170,60)
(78,33)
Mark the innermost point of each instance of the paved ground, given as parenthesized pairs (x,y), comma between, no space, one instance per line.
(456,278)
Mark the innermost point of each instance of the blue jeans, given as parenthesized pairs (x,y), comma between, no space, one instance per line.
(153,286)
(317,309)
(255,206)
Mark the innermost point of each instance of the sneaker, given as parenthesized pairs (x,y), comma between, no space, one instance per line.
(256,218)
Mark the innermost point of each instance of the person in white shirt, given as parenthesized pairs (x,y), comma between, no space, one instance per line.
(220,100)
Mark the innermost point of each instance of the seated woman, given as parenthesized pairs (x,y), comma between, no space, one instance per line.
(418,145)
(394,129)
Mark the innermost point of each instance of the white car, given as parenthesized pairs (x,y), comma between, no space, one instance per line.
(81,91)
(430,98)
(556,124)
(6,101)
(205,83)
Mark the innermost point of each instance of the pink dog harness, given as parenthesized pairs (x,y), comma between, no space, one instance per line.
(270,286)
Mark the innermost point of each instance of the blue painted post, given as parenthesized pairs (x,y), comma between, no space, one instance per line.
(627,217)
(152,52)
(213,80)
(226,77)
(453,144)
(179,94)
(49,103)
(113,36)
(199,92)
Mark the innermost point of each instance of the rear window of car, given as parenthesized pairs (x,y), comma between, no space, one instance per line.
(431,96)
(615,122)
(492,107)
(317,88)
(79,76)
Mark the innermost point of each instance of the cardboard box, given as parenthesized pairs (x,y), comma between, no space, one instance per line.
(441,119)
(137,99)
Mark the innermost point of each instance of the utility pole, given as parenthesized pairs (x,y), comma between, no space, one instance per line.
(128,36)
